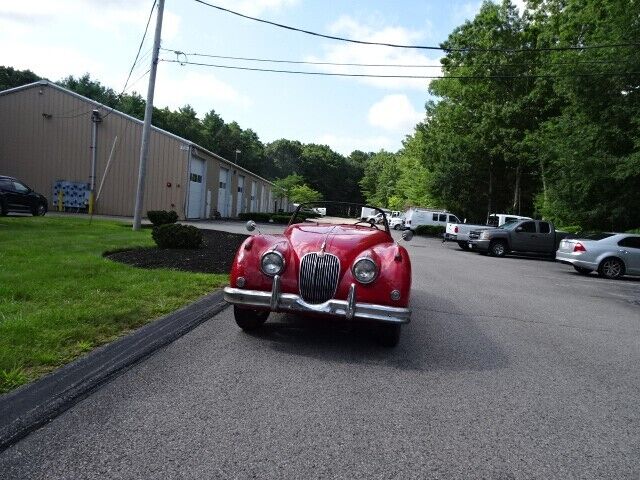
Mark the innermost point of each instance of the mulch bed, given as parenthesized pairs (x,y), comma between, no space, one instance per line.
(214,256)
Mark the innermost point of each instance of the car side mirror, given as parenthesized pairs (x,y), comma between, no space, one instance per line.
(407,235)
(518,229)
(251,226)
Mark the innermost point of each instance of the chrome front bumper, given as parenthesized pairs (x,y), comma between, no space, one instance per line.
(289,302)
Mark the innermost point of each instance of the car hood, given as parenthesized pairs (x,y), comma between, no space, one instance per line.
(344,241)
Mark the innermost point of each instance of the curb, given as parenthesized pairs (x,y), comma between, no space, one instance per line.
(31,406)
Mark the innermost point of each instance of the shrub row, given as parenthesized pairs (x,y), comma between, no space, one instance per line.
(176,235)
(162,217)
(430,230)
(273,217)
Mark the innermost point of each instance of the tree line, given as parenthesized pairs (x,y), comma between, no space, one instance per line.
(515,125)
(531,130)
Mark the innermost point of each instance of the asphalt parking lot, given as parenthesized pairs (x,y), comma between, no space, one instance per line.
(511,368)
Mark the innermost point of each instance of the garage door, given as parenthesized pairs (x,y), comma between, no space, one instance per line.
(253,195)
(240,194)
(223,193)
(195,208)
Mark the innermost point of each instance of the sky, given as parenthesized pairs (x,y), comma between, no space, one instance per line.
(58,38)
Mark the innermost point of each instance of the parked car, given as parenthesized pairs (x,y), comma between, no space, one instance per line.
(526,236)
(612,255)
(459,232)
(15,196)
(397,223)
(350,271)
(414,217)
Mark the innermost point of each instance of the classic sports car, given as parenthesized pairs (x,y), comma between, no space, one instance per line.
(332,266)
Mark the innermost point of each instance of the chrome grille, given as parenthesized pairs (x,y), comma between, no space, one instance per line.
(318,277)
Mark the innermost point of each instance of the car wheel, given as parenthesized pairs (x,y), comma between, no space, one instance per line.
(39,211)
(3,208)
(389,334)
(498,248)
(612,268)
(396,227)
(248,319)
(582,270)
(463,245)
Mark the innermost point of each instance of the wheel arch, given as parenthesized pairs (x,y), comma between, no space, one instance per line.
(607,256)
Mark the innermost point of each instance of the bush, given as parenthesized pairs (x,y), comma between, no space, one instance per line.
(176,235)
(162,217)
(570,229)
(430,230)
(255,216)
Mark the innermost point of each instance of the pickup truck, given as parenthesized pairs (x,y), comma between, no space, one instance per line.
(459,232)
(530,236)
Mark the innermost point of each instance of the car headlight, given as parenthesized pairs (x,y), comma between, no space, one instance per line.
(272,263)
(365,270)
(484,234)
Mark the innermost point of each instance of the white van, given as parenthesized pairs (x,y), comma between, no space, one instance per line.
(414,217)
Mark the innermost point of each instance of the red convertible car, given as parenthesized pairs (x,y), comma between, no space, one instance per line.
(324,266)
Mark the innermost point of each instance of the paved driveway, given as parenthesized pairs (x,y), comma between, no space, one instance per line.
(511,368)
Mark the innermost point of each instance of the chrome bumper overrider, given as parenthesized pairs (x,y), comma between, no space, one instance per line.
(289,302)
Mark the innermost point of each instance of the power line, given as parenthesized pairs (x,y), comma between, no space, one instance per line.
(426,77)
(126,83)
(400,65)
(418,47)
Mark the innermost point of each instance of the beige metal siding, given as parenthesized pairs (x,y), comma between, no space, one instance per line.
(41,150)
(45,135)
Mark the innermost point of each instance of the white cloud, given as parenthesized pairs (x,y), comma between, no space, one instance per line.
(347,144)
(203,91)
(354,53)
(394,113)
(255,7)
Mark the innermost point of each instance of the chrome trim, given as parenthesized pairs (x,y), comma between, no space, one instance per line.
(284,263)
(317,289)
(353,270)
(275,293)
(351,302)
(291,303)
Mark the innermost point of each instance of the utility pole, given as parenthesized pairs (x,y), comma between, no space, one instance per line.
(148,112)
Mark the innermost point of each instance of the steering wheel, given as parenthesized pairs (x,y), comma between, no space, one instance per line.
(368,223)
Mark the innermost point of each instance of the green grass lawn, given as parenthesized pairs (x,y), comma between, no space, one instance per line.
(59,298)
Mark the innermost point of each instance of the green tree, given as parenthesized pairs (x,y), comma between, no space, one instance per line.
(304,194)
(284,186)
(12,78)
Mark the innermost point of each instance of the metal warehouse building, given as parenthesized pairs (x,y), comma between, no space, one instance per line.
(47,135)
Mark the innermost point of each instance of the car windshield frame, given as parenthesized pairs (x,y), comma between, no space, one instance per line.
(328,203)
(509,224)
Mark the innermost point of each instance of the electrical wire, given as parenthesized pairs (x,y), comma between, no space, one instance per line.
(418,47)
(400,65)
(126,83)
(364,75)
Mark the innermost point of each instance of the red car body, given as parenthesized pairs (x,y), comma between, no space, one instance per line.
(310,251)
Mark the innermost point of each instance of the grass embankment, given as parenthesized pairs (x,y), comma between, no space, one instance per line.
(59,298)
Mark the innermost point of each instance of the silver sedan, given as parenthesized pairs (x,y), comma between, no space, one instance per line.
(612,255)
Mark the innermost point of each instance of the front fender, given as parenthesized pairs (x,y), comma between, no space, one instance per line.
(395,274)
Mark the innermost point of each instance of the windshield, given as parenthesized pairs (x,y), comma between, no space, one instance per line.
(595,236)
(509,224)
(340,213)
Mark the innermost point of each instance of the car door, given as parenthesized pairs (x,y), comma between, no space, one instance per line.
(546,239)
(524,237)
(22,199)
(629,250)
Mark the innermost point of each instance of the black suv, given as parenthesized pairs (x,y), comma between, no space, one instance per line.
(15,196)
